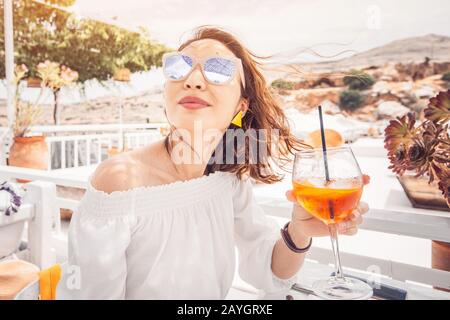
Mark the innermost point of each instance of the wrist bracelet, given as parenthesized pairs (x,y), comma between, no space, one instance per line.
(290,244)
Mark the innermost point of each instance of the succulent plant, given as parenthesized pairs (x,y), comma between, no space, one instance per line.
(438,109)
(444,184)
(424,148)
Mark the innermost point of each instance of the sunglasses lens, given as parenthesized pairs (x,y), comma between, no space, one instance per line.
(177,66)
(219,70)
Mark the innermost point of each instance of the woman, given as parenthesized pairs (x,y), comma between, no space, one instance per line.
(155,226)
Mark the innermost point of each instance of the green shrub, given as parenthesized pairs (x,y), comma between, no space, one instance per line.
(350,100)
(283,84)
(446,76)
(358,80)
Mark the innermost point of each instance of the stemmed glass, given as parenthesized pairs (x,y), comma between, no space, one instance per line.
(329,186)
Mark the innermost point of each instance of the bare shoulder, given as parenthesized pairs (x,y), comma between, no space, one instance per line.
(118,173)
(129,170)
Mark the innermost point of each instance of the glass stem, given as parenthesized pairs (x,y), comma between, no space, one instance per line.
(335,245)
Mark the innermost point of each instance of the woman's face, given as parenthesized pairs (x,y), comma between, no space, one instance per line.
(224,101)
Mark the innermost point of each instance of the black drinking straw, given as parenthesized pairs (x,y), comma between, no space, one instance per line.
(325,159)
(324,145)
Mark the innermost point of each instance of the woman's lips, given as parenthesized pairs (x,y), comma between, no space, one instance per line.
(193,105)
(191,102)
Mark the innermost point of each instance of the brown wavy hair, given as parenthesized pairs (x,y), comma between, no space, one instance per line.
(264,112)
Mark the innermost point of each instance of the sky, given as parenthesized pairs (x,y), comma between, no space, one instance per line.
(274,26)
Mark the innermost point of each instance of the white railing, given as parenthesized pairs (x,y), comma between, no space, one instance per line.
(93,140)
(89,143)
(8,173)
(94,144)
(79,128)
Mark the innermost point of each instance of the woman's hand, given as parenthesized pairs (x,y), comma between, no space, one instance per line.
(303,225)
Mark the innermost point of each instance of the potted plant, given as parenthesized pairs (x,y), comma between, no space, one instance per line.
(122,74)
(26,151)
(425,150)
(55,76)
(33,82)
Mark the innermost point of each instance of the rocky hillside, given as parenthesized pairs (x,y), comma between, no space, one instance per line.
(410,50)
(406,73)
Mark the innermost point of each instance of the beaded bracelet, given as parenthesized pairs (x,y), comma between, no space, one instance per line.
(15,199)
(289,243)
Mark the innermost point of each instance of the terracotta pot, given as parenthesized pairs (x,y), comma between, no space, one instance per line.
(332,138)
(122,74)
(440,257)
(29,152)
(34,82)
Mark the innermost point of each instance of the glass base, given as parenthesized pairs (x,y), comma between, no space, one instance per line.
(342,289)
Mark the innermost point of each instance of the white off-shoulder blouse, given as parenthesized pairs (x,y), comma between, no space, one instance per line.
(173,241)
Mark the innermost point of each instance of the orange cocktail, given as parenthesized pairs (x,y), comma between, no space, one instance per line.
(330,202)
(328,183)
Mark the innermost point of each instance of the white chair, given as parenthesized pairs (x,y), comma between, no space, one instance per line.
(35,216)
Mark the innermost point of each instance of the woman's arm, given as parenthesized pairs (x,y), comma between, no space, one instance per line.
(100,232)
(303,226)
(285,262)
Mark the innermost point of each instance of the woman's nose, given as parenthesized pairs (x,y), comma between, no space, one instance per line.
(195,79)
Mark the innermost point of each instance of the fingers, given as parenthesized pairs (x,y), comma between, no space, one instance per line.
(356,217)
(316,228)
(363,207)
(344,226)
(298,213)
(366,179)
(350,226)
(290,196)
(351,232)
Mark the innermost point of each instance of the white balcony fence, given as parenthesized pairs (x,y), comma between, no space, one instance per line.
(82,145)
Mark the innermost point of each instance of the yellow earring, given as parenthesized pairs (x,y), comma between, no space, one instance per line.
(237,120)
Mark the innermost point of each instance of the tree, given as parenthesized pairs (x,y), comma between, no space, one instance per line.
(95,49)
